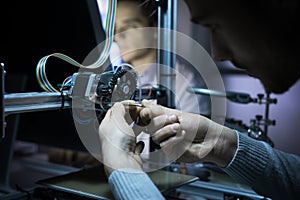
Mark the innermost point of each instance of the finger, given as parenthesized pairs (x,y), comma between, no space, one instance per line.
(128,102)
(144,117)
(172,141)
(139,147)
(150,111)
(142,121)
(166,133)
(145,103)
(118,111)
(106,119)
(161,121)
(174,147)
(132,111)
(118,117)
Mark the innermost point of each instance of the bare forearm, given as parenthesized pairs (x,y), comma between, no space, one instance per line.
(225,148)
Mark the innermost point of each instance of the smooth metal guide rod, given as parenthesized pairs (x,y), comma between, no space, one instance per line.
(167,23)
(35,101)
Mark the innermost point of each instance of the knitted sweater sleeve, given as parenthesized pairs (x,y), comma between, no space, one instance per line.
(128,184)
(267,171)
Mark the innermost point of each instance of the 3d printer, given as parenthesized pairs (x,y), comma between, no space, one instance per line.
(96,89)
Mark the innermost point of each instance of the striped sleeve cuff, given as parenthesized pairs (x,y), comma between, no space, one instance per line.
(249,161)
(131,184)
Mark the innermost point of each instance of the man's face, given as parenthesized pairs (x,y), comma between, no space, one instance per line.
(242,34)
(129,16)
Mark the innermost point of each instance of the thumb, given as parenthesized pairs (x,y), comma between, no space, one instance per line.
(139,147)
(118,118)
(146,103)
(145,114)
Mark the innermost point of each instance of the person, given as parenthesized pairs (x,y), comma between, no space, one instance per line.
(120,151)
(130,16)
(258,36)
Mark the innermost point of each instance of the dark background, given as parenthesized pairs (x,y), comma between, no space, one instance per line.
(31,30)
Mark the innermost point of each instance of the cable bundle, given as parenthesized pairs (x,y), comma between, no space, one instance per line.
(41,66)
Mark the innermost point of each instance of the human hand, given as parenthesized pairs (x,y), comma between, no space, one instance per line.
(118,140)
(189,137)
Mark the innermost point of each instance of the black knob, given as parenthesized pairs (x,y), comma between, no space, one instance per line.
(260,96)
(274,101)
(258,117)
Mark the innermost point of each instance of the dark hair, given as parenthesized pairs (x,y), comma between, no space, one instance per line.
(149,9)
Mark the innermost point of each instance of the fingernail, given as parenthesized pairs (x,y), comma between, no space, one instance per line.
(175,128)
(173,118)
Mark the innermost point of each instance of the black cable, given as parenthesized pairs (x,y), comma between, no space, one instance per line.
(114,79)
